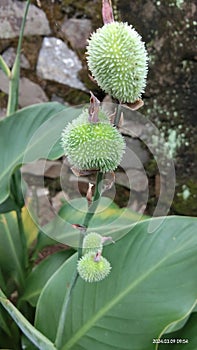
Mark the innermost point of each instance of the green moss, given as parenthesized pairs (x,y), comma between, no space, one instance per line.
(186,198)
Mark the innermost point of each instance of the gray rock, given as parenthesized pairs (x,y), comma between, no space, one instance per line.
(135,156)
(29,92)
(57,62)
(43,168)
(138,179)
(11,14)
(4,82)
(9,57)
(59,199)
(132,128)
(133,179)
(2,113)
(77,31)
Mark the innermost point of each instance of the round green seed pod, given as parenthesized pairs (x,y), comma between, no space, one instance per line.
(97,146)
(117,59)
(91,270)
(92,243)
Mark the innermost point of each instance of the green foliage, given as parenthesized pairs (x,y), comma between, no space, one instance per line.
(33,128)
(151,285)
(40,275)
(109,220)
(35,336)
(185,338)
(11,254)
(150,293)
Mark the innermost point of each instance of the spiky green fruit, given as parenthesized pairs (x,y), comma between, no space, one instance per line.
(92,270)
(92,243)
(117,59)
(88,145)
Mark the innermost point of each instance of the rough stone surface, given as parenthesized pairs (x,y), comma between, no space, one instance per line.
(43,167)
(29,92)
(2,113)
(169,29)
(11,13)
(132,128)
(59,199)
(138,179)
(77,31)
(57,62)
(133,179)
(135,156)
(9,56)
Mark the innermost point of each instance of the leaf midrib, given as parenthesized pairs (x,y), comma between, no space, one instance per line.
(83,330)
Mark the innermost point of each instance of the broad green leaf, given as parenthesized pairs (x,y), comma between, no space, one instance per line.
(29,134)
(41,274)
(185,338)
(152,284)
(109,220)
(8,205)
(43,241)
(195,308)
(178,325)
(11,254)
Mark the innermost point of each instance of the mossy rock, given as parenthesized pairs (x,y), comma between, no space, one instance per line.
(185,199)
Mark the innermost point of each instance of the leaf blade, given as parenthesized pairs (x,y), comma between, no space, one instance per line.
(143,302)
(36,131)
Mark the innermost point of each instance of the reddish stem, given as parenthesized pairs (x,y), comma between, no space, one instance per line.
(107,12)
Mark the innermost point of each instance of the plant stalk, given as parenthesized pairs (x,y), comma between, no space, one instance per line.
(23,237)
(91,210)
(89,215)
(15,73)
(118,114)
(11,108)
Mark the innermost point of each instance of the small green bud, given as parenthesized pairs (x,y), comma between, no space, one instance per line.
(92,269)
(97,146)
(92,243)
(117,59)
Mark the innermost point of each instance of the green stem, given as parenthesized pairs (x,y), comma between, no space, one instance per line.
(16,190)
(15,74)
(90,213)
(4,67)
(11,108)
(118,114)
(37,338)
(91,210)
(23,237)
(97,194)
